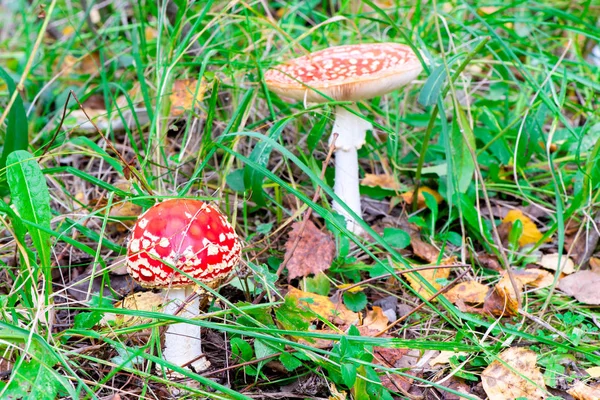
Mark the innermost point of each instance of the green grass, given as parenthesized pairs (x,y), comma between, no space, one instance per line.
(497,87)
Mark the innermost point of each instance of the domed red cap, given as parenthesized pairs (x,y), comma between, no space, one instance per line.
(188,234)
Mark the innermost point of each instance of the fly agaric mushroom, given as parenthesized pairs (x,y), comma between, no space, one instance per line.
(346,73)
(195,238)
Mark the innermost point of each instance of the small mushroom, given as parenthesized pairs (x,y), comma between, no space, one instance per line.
(346,73)
(195,238)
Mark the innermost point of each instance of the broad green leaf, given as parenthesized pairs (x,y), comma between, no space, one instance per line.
(29,194)
(462,160)
(289,361)
(348,374)
(17,132)
(355,301)
(319,284)
(396,237)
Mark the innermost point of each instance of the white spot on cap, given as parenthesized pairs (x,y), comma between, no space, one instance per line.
(134,245)
(143,223)
(146,243)
(222,237)
(164,242)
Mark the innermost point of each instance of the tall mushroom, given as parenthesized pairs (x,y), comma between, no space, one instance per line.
(197,239)
(346,73)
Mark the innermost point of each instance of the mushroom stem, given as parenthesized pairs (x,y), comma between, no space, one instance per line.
(351,132)
(182,341)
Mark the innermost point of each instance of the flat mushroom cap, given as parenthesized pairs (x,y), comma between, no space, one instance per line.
(188,234)
(345,73)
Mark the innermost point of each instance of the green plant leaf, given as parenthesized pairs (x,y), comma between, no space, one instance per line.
(348,374)
(396,237)
(260,155)
(355,301)
(17,132)
(461,140)
(319,284)
(29,194)
(434,84)
(289,361)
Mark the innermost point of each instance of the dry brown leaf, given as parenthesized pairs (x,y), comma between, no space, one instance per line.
(595,265)
(392,358)
(313,254)
(502,301)
(141,301)
(531,233)
(500,382)
(550,261)
(424,250)
(323,306)
(375,320)
(581,391)
(593,372)
(458,385)
(582,285)
(430,275)
(124,209)
(469,292)
(489,261)
(182,97)
(382,180)
(408,196)
(533,277)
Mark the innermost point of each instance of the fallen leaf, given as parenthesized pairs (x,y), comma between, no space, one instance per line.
(444,357)
(430,275)
(375,321)
(424,250)
(593,372)
(550,261)
(489,261)
(392,358)
(531,233)
(141,301)
(313,254)
(581,391)
(408,196)
(503,301)
(533,277)
(336,394)
(319,343)
(323,306)
(382,180)
(469,292)
(458,385)
(522,379)
(186,95)
(582,285)
(595,265)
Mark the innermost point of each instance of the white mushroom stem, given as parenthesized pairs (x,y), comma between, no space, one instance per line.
(351,131)
(182,341)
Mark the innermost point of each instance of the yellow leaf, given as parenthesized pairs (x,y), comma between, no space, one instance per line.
(469,292)
(581,391)
(522,379)
(143,301)
(408,196)
(550,261)
(355,289)
(375,320)
(444,357)
(182,97)
(383,180)
(323,306)
(531,233)
(430,275)
(593,372)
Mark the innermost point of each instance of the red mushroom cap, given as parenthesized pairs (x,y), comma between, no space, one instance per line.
(188,234)
(349,72)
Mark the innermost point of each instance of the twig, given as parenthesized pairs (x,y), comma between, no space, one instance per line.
(309,211)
